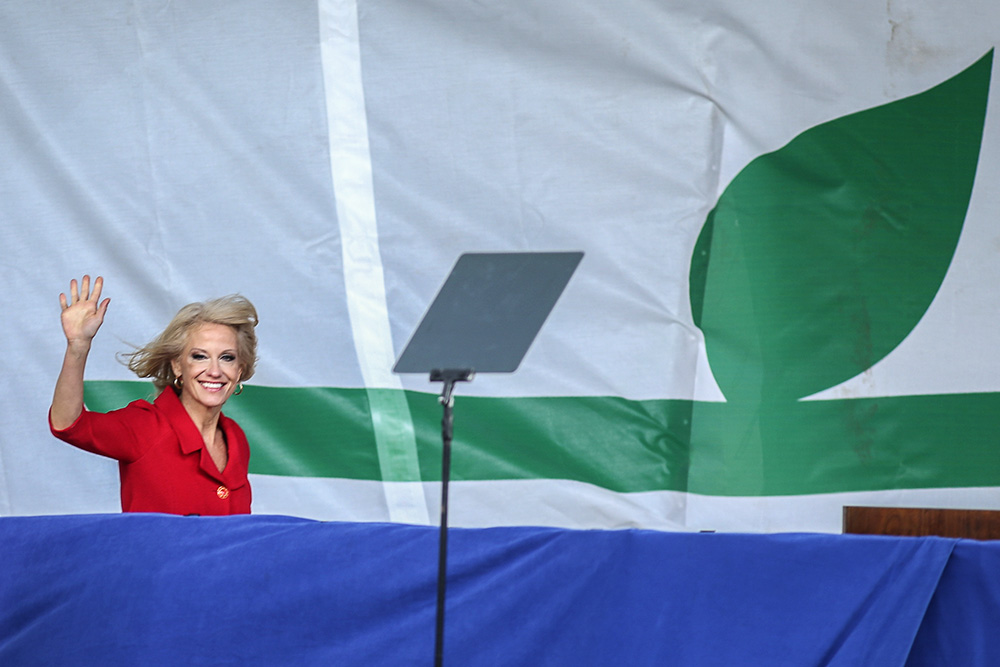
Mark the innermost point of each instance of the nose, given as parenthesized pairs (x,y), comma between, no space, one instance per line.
(214,369)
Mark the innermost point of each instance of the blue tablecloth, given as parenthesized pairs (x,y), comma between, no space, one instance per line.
(265,590)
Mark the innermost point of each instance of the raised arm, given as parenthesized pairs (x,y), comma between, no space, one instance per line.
(82,316)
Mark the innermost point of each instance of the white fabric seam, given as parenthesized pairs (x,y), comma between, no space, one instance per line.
(351,172)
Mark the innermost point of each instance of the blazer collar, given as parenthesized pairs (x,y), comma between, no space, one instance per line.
(190,439)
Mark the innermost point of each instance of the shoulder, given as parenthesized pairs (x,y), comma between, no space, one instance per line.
(141,404)
(145,417)
(139,419)
(140,410)
(136,411)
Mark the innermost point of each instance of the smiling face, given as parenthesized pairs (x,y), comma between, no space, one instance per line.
(209,366)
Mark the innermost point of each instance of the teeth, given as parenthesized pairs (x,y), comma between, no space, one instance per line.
(212,385)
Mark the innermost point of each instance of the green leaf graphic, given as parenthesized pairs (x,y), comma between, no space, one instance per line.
(822,256)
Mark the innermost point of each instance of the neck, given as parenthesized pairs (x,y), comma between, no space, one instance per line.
(206,419)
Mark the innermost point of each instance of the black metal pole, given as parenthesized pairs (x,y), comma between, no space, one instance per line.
(449,377)
(447,422)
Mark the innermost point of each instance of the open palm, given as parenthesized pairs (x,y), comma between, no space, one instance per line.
(83,313)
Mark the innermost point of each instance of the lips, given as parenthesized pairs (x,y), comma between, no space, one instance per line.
(212,386)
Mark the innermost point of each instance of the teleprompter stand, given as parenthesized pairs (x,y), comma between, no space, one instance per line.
(483,320)
(449,377)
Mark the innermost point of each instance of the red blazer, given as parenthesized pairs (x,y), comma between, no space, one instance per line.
(163,462)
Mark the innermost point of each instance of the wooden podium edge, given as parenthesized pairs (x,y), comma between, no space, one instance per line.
(922,522)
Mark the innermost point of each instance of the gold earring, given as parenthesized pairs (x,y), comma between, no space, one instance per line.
(239,390)
(178,383)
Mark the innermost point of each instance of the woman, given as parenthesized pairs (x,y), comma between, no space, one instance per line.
(178,454)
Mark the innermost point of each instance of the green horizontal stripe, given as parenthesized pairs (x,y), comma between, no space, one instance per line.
(628,446)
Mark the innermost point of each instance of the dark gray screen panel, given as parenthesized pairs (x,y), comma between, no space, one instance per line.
(488,312)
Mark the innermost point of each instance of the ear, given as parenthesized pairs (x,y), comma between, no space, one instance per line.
(175,366)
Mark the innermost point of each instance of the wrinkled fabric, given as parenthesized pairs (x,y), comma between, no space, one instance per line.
(265,590)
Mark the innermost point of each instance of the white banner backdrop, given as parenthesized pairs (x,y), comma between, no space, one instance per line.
(331,161)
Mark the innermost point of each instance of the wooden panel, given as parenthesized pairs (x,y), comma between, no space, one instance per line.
(971,524)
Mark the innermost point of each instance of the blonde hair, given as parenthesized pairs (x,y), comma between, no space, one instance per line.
(153,360)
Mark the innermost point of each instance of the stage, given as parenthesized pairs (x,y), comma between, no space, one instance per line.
(270,590)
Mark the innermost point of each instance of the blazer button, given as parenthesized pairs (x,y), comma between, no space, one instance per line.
(222,492)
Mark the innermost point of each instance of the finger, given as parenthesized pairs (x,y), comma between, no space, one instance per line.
(74,293)
(62,301)
(85,288)
(98,285)
(103,308)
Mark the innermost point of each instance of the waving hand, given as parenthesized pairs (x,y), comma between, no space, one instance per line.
(83,313)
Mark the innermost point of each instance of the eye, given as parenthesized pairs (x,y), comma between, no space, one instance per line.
(199,356)
(229,357)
